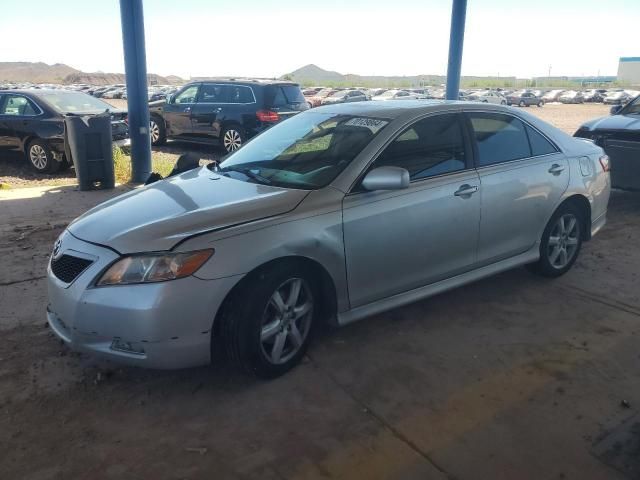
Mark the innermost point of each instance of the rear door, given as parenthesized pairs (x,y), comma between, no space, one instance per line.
(177,113)
(285,99)
(523,176)
(17,120)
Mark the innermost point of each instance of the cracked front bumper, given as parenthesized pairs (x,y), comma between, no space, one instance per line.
(170,321)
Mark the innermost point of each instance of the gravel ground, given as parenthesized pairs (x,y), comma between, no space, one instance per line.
(15,172)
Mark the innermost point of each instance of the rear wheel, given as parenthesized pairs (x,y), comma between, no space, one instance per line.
(540,103)
(267,325)
(521,104)
(233,137)
(40,157)
(560,243)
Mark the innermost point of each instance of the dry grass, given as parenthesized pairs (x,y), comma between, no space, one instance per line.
(160,163)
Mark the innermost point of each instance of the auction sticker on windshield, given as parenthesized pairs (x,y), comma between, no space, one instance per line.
(373,124)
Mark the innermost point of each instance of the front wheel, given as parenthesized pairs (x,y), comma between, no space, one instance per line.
(157,131)
(561,242)
(540,103)
(503,102)
(267,324)
(521,104)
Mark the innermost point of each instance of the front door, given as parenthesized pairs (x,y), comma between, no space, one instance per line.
(177,113)
(399,240)
(523,177)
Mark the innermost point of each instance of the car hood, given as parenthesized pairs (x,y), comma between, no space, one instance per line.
(614,122)
(158,216)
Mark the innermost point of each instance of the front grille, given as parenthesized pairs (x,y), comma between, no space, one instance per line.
(67,267)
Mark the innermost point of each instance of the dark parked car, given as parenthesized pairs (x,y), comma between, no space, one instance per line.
(595,95)
(224,112)
(524,99)
(619,135)
(32,121)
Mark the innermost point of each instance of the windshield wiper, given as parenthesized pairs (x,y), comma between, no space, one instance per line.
(246,171)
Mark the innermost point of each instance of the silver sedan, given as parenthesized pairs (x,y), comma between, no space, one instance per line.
(336,214)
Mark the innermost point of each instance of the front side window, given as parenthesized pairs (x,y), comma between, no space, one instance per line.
(431,146)
(17,105)
(500,138)
(307,151)
(188,95)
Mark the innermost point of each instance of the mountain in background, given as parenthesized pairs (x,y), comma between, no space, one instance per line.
(314,75)
(39,72)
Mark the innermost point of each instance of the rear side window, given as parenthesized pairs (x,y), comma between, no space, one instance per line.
(238,94)
(500,138)
(283,95)
(431,146)
(539,144)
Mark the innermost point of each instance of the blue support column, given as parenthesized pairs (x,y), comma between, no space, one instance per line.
(456,41)
(135,64)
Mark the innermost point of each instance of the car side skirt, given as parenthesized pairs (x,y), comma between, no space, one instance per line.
(416,294)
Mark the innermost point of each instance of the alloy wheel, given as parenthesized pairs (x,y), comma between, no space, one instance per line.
(232,140)
(563,241)
(286,321)
(154,131)
(38,157)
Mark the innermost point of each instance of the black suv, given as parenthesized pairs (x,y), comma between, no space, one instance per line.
(224,112)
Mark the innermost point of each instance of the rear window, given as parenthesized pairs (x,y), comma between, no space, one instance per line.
(283,95)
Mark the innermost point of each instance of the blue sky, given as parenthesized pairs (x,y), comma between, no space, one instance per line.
(270,38)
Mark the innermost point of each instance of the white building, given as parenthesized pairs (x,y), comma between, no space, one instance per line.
(629,70)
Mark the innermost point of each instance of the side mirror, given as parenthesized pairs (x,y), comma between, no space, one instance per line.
(386,178)
(615,109)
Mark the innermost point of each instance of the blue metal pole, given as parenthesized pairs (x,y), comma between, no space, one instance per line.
(456,41)
(135,64)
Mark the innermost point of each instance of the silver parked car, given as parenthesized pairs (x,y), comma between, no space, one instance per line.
(336,214)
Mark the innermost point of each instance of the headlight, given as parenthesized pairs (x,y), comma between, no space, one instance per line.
(149,268)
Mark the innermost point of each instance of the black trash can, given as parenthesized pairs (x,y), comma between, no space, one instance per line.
(89,145)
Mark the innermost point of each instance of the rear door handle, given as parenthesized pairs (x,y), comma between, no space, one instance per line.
(466,190)
(556,169)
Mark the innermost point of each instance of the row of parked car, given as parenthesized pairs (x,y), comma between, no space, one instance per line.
(225,112)
(524,98)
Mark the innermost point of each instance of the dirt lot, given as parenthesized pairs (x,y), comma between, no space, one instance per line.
(514,377)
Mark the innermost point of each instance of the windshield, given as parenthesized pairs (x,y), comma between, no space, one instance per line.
(632,108)
(338,95)
(74,102)
(307,151)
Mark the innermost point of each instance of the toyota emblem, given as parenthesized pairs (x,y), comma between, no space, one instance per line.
(56,247)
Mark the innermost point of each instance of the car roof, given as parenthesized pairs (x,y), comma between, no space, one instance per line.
(390,109)
(244,81)
(37,91)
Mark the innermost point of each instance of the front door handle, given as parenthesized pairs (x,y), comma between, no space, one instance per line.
(466,190)
(556,169)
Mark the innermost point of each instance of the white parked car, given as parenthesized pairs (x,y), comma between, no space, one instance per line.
(487,96)
(398,95)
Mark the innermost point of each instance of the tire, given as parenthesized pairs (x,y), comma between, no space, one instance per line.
(555,239)
(540,103)
(521,104)
(40,157)
(503,102)
(252,331)
(157,131)
(232,138)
